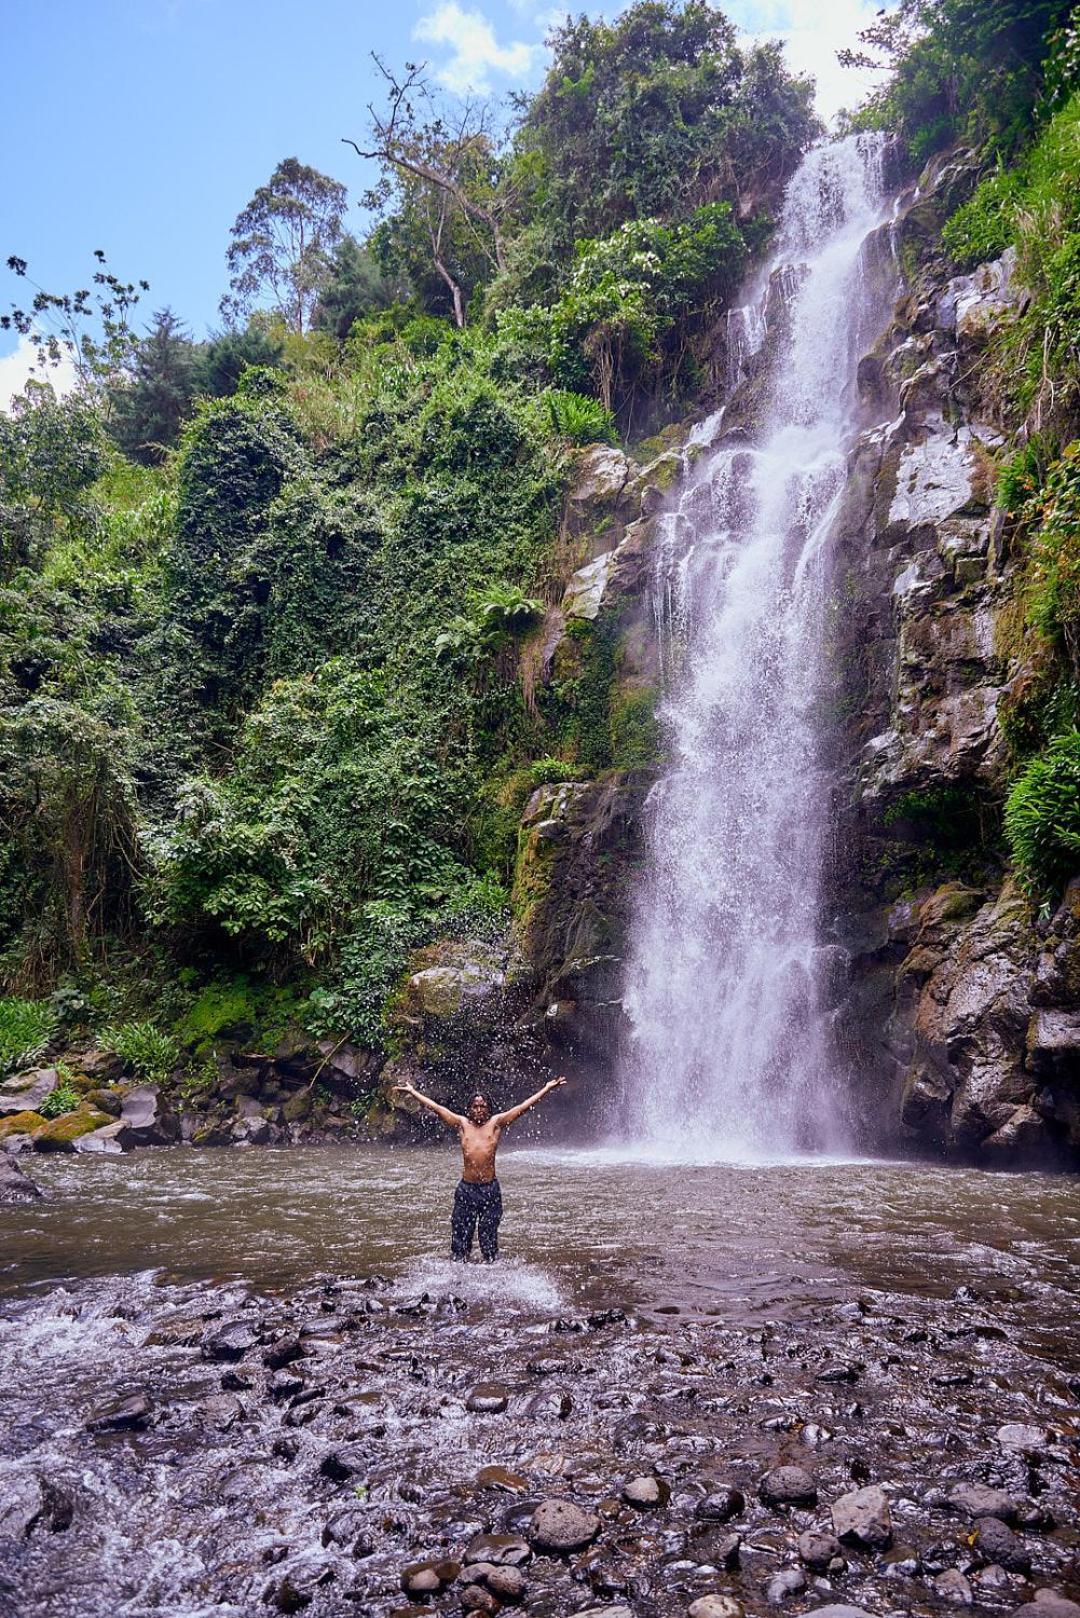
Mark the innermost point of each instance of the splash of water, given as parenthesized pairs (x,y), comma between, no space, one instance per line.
(729,1050)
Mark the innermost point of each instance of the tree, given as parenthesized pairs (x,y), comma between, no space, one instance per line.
(51,452)
(220,363)
(91,327)
(282,242)
(356,285)
(148,410)
(444,170)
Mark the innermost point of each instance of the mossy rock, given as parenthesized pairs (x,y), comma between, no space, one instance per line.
(297,1108)
(21,1123)
(61,1134)
(80,1083)
(106,1100)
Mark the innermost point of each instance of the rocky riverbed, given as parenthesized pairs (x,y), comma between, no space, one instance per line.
(467,1439)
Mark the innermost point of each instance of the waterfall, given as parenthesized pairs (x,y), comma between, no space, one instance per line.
(729,1050)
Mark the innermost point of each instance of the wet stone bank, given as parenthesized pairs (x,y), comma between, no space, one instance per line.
(354,1446)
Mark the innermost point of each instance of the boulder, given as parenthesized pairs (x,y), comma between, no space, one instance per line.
(977,1500)
(646,1492)
(61,1134)
(1048,1604)
(818,1548)
(721,1504)
(559,1527)
(102,1142)
(715,1606)
(228,1341)
(488,1399)
(26,1091)
(585,592)
(599,477)
(862,1518)
(996,1542)
(125,1415)
(501,1550)
(15,1186)
(790,1581)
(145,1119)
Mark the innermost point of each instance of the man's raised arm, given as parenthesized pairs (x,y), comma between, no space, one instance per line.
(454,1119)
(511,1113)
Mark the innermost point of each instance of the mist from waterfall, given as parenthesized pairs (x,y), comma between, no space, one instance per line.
(729,1048)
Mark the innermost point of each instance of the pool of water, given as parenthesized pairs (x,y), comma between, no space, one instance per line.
(581,1227)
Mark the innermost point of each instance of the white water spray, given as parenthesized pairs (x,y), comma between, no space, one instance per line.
(729,1047)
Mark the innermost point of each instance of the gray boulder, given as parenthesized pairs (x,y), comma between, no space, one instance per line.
(15,1186)
(559,1526)
(26,1091)
(862,1518)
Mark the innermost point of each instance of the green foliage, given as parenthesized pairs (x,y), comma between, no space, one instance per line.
(57,1102)
(654,115)
(220,363)
(1054,573)
(984,226)
(959,69)
(282,242)
(1042,817)
(578,418)
(148,1051)
(148,409)
(1021,475)
(51,452)
(26,1026)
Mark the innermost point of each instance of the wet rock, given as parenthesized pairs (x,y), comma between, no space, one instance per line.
(126,1415)
(1048,1604)
(979,1500)
(646,1492)
(22,1504)
(284,1385)
(475,1599)
(424,1579)
(838,1611)
(1025,1439)
(862,1518)
(552,1403)
(502,1550)
(715,1606)
(953,1587)
(26,1091)
(103,1142)
(347,1529)
(222,1412)
(559,1527)
(288,1596)
(996,1542)
(15,1186)
(506,1583)
(488,1399)
(229,1341)
(721,1505)
(606,1612)
(145,1119)
(500,1477)
(790,1581)
(283,1352)
(788,1486)
(818,1548)
(344,1462)
(721,1550)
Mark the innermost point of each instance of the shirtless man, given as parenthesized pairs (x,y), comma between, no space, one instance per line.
(477,1199)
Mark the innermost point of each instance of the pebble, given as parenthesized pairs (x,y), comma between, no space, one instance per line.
(501,1550)
(561,1527)
(646,1492)
(862,1518)
(790,1581)
(721,1505)
(788,1486)
(818,1548)
(715,1606)
(488,1399)
(954,1588)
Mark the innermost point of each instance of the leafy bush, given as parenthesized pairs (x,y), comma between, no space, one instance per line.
(580,419)
(57,1102)
(985,225)
(26,1027)
(148,1051)
(1021,475)
(1054,568)
(1042,817)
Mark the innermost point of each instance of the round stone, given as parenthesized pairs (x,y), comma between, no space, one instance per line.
(818,1548)
(560,1526)
(788,1486)
(715,1606)
(646,1492)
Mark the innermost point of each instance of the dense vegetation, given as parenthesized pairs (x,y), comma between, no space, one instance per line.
(268,603)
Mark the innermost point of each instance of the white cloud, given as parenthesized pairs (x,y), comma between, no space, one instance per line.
(813,32)
(477,53)
(22,366)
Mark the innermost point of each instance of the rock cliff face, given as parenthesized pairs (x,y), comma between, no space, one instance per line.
(962,1016)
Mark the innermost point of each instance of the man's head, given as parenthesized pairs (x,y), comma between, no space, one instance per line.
(479,1109)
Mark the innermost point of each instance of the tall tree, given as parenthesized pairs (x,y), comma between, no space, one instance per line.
(282,243)
(148,410)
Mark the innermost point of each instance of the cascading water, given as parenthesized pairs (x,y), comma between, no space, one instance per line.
(729,1050)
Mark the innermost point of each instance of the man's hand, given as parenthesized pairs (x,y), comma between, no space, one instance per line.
(555,1084)
(404,1090)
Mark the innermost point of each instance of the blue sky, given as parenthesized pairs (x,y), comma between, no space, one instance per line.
(143,126)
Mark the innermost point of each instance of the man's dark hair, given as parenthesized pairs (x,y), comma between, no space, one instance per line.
(479,1095)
